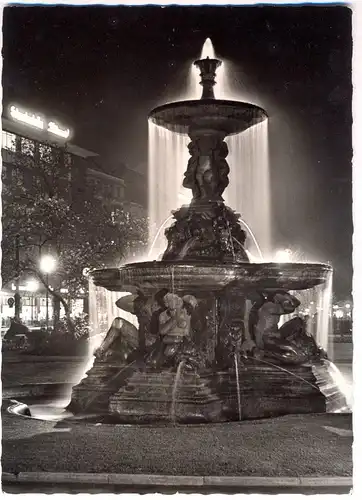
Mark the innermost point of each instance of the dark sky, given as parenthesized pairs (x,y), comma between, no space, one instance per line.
(101,70)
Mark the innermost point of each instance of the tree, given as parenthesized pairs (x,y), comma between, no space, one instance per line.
(81,231)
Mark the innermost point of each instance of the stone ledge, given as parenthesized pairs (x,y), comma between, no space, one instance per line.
(165,480)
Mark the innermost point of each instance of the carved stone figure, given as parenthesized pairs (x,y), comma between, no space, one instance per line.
(289,344)
(120,341)
(174,329)
(276,304)
(294,332)
(207,170)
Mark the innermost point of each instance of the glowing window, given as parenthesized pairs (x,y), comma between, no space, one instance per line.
(27,146)
(8,141)
(45,151)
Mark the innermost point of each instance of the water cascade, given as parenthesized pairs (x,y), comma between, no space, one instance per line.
(249,159)
(204,297)
(174,391)
(238,393)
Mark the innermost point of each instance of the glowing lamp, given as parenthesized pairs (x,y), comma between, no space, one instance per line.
(47,264)
(339,314)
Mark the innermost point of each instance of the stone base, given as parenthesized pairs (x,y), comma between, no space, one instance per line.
(94,390)
(161,396)
(137,394)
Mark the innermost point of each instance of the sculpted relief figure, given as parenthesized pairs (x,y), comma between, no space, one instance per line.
(123,338)
(207,170)
(276,304)
(290,343)
(174,329)
(294,332)
(120,341)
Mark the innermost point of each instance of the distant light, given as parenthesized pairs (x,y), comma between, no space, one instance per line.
(283,256)
(311,302)
(47,264)
(64,290)
(32,286)
(349,314)
(22,288)
(53,128)
(335,306)
(307,310)
(339,314)
(348,306)
(25,117)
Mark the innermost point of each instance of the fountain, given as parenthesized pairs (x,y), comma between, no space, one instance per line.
(208,319)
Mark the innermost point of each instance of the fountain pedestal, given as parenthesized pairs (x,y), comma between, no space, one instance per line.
(164,396)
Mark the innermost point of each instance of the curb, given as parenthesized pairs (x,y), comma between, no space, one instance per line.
(163,480)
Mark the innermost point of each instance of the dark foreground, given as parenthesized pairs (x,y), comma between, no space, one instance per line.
(71,489)
(308,445)
(312,446)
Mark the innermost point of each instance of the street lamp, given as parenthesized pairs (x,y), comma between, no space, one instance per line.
(47,265)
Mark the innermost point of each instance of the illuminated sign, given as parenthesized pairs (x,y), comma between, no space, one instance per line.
(53,128)
(28,118)
(38,122)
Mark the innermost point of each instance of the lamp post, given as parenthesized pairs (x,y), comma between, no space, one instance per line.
(47,265)
(17,288)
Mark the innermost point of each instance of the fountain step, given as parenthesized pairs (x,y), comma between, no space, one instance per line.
(150,393)
(93,392)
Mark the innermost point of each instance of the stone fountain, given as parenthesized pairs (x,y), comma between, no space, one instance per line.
(208,347)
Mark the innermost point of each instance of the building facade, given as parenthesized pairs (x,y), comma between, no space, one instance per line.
(27,133)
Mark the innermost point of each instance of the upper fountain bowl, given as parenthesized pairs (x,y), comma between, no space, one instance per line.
(228,117)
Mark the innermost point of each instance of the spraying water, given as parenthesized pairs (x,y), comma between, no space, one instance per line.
(223,89)
(151,252)
(249,188)
(167,161)
(255,241)
(287,371)
(237,384)
(324,316)
(174,391)
(248,191)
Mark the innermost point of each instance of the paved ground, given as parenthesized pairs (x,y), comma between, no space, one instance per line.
(24,369)
(285,446)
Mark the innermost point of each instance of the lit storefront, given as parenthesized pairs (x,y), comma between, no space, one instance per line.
(34,307)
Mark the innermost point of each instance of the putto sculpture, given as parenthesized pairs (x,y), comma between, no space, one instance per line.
(208,319)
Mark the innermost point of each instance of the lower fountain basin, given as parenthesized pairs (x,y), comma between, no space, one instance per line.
(211,276)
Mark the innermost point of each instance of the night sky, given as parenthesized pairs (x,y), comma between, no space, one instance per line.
(102,69)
